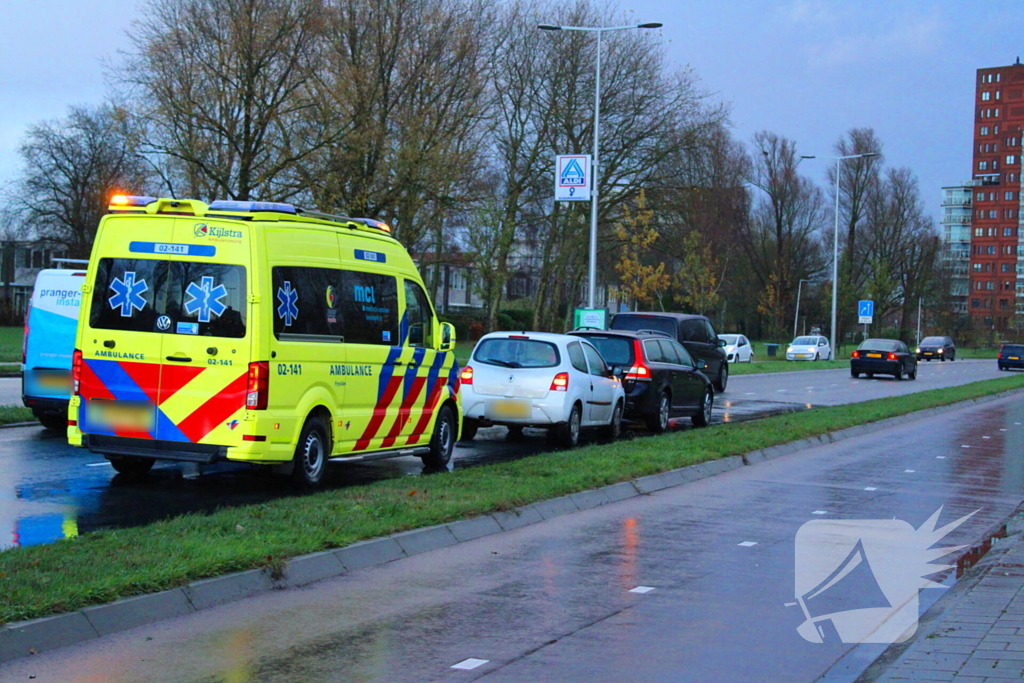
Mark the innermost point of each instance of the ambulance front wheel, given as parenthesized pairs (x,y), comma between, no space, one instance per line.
(131,466)
(443,441)
(310,454)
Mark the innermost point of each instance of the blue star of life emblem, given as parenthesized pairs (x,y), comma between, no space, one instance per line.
(206,299)
(288,308)
(128,294)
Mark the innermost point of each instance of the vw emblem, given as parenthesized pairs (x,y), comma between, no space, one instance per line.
(163,322)
(511,379)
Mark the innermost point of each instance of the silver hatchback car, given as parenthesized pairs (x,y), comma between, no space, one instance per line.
(539,379)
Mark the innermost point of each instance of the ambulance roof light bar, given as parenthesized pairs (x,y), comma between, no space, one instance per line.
(125,200)
(252,207)
(368,222)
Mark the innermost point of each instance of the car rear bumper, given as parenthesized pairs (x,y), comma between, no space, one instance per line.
(641,401)
(544,412)
(1007,363)
(151,448)
(881,367)
(46,406)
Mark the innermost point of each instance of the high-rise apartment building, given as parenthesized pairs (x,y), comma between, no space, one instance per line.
(957,209)
(995,221)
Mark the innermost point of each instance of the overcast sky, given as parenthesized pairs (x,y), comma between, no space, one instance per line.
(807,70)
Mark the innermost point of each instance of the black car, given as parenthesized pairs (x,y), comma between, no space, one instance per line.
(694,332)
(883,357)
(940,348)
(660,378)
(1011,356)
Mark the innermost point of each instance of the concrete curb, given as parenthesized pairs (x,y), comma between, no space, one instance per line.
(50,633)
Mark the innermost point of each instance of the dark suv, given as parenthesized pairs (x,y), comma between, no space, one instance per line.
(660,378)
(694,332)
(1010,356)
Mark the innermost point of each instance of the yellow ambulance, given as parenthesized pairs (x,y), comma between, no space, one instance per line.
(261,333)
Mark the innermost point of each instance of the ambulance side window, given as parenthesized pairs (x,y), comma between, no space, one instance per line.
(368,302)
(307,304)
(420,316)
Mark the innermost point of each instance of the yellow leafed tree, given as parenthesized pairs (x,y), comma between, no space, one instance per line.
(642,282)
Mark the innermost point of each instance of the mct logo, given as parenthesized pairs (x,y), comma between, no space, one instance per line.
(857,580)
(365,295)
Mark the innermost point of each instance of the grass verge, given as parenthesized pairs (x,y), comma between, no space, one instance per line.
(14,414)
(760,367)
(102,566)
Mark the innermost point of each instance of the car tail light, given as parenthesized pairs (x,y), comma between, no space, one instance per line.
(466,376)
(891,356)
(258,385)
(855,354)
(560,382)
(1000,356)
(639,372)
(76,370)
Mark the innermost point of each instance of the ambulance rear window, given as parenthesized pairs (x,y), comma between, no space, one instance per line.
(169,297)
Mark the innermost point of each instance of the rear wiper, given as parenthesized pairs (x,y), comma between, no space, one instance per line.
(503,363)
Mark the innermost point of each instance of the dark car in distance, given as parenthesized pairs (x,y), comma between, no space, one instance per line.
(1011,356)
(940,348)
(694,332)
(883,357)
(659,377)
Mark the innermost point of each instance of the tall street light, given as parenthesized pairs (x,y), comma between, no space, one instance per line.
(796,316)
(592,275)
(835,239)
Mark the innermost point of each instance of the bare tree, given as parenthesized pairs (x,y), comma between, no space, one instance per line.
(224,89)
(71,168)
(782,239)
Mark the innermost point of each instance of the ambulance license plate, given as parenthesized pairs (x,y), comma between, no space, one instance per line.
(874,355)
(121,416)
(509,409)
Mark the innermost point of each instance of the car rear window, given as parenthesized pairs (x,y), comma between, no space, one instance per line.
(517,353)
(635,323)
(169,297)
(614,350)
(1013,348)
(879,345)
(933,341)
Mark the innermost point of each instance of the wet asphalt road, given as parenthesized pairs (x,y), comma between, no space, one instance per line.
(551,602)
(49,490)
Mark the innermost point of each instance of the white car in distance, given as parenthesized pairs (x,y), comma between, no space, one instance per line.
(809,347)
(738,348)
(540,379)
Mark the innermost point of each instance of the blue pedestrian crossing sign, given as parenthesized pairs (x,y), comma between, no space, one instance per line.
(865,312)
(572,178)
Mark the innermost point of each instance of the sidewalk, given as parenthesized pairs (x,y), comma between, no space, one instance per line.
(979,633)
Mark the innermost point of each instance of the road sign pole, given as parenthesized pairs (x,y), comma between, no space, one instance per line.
(592,275)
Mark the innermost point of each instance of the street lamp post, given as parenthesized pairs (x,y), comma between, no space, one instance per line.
(835,239)
(592,274)
(796,316)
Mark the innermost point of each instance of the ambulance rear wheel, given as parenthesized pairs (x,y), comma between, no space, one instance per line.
(310,454)
(131,465)
(443,441)
(469,428)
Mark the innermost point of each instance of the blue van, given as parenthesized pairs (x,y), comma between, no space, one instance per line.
(50,328)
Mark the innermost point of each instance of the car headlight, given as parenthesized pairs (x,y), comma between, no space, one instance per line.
(918,350)
(790,350)
(941,350)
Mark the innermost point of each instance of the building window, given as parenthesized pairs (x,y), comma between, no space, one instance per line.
(995,164)
(999,94)
(982,165)
(997,113)
(984,130)
(993,213)
(986,96)
(1002,303)
(1008,194)
(1005,267)
(988,267)
(976,267)
(995,129)
(990,285)
(975,303)
(1007,286)
(991,249)
(978,232)
(1011,159)
(1007,232)
(980,196)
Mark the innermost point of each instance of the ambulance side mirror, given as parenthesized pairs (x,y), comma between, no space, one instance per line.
(447,336)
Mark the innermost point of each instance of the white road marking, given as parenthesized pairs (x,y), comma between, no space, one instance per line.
(1002,430)
(641,589)
(820,512)
(964,446)
(471,663)
(986,437)
(909,471)
(747,544)
(789,604)
(750,393)
(98,464)
(870,488)
(940,457)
